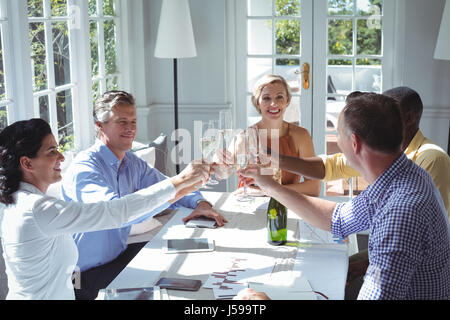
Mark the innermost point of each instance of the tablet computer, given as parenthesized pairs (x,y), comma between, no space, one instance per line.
(188,245)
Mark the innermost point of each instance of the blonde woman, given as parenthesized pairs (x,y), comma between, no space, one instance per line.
(271,97)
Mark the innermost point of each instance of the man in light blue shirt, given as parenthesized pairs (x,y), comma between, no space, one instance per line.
(108,170)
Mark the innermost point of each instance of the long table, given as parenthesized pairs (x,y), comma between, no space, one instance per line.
(306,256)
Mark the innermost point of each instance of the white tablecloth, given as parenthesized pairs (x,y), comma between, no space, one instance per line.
(323,265)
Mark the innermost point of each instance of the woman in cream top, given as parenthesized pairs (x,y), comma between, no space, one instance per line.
(40,254)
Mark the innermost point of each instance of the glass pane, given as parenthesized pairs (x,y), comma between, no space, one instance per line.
(334,108)
(289,69)
(292,113)
(259,7)
(288,36)
(35,8)
(65,119)
(2,71)
(368,75)
(110,47)
(94,47)
(59,7)
(108,8)
(92,7)
(44,108)
(112,84)
(340,36)
(368,36)
(256,68)
(61,54)
(3,118)
(340,7)
(259,36)
(38,56)
(287,8)
(369,7)
(339,76)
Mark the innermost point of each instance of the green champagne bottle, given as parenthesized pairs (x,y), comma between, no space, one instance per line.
(276,223)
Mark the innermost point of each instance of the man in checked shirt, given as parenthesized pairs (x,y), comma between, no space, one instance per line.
(409,233)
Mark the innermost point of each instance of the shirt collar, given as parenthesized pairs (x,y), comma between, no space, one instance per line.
(414,145)
(25,186)
(379,187)
(108,155)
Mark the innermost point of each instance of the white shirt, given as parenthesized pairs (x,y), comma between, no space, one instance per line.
(38,248)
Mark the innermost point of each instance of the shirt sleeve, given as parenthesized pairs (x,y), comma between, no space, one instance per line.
(57,217)
(352,216)
(394,255)
(337,167)
(152,175)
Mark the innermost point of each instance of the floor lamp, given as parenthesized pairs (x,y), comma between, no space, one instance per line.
(175,40)
(442,50)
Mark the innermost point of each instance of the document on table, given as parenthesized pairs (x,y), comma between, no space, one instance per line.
(237,271)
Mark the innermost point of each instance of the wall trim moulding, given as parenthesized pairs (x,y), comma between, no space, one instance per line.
(188,108)
(436,113)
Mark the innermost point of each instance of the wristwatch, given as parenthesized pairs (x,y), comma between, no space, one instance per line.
(203,200)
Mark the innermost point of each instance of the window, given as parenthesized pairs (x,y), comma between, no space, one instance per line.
(47,43)
(103,42)
(354,63)
(344,43)
(50,47)
(278,33)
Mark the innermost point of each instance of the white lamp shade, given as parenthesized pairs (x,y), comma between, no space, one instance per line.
(175,35)
(442,50)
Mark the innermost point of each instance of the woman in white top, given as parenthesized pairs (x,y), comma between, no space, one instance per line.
(39,252)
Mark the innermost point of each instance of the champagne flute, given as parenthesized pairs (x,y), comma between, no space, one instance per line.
(241,153)
(225,127)
(212,126)
(208,142)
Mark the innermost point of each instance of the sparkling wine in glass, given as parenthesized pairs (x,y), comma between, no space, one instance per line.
(242,157)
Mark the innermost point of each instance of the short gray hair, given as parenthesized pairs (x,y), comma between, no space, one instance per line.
(110,99)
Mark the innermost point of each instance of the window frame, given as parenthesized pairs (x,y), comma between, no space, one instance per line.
(20,86)
(6,48)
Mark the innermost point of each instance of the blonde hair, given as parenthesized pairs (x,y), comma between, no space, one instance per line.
(264,81)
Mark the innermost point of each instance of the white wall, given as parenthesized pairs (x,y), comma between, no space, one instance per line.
(418,26)
(205,82)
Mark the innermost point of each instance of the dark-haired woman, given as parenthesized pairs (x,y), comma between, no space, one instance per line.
(39,252)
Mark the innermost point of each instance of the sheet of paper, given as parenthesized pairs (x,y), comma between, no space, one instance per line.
(237,270)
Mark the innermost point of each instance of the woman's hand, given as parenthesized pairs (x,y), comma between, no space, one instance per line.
(223,165)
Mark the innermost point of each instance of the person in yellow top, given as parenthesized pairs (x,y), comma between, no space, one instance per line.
(416,146)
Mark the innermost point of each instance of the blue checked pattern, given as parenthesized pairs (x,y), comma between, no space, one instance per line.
(409,234)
